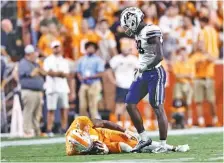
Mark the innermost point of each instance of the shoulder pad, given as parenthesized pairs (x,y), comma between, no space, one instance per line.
(151,31)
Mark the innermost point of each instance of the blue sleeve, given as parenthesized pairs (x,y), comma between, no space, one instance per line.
(78,67)
(100,65)
(24,70)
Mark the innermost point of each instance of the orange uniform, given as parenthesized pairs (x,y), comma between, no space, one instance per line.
(81,39)
(210,38)
(110,137)
(44,43)
(184,68)
(72,23)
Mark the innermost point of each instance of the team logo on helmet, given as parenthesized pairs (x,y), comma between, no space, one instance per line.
(130,20)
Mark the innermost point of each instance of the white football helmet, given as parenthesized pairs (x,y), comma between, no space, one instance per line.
(130,19)
(80,140)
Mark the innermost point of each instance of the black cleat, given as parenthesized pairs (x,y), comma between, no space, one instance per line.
(141,144)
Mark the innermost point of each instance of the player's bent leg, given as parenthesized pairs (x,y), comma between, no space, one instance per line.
(138,123)
(135,117)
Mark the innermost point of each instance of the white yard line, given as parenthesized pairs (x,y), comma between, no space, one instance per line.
(192,131)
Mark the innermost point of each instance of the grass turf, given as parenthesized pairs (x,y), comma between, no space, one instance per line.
(207,147)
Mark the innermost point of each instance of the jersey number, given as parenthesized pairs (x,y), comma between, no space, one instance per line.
(140,49)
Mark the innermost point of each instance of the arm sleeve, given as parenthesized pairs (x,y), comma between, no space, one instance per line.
(100,66)
(78,66)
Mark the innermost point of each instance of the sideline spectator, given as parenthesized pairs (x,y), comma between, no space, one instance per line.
(125,63)
(44,43)
(204,84)
(31,80)
(184,73)
(57,88)
(89,70)
(107,43)
(12,44)
(48,18)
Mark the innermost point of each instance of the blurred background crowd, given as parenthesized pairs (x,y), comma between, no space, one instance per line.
(69,58)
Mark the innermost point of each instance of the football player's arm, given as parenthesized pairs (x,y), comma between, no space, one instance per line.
(107,124)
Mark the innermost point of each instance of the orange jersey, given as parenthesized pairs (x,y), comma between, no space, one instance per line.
(183,68)
(79,41)
(203,67)
(110,137)
(211,40)
(72,23)
(44,43)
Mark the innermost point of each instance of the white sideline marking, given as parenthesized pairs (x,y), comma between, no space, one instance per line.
(192,131)
(148,160)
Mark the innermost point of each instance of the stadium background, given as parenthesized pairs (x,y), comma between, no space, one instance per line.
(24,22)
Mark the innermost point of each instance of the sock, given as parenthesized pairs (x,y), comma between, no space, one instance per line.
(125,147)
(189,121)
(201,120)
(163,142)
(144,135)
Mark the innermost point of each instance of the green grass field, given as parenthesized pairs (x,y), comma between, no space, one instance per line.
(207,147)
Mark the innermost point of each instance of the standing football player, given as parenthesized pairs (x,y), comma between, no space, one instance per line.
(149,77)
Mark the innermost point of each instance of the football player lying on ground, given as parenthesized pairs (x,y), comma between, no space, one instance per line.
(86,136)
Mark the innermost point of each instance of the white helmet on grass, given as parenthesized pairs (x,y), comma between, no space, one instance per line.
(130,19)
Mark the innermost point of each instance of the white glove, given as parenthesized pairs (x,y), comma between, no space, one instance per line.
(182,148)
(137,74)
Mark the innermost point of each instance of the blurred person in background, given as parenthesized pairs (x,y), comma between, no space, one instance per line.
(31,81)
(11,44)
(44,43)
(171,19)
(72,21)
(150,13)
(36,17)
(89,71)
(48,17)
(106,10)
(123,66)
(57,88)
(87,14)
(204,84)
(184,72)
(169,43)
(79,40)
(187,35)
(106,40)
